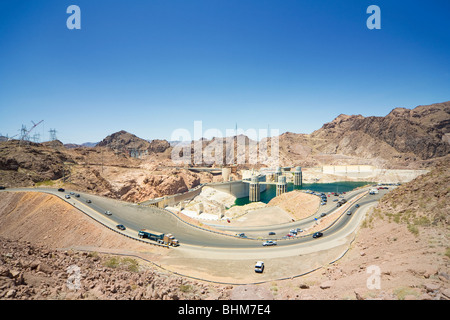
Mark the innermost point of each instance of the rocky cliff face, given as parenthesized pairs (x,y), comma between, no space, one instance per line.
(418,133)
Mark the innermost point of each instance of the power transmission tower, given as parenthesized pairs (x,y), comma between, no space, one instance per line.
(23,133)
(53,135)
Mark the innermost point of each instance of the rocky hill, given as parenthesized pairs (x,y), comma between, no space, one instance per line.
(100,170)
(405,138)
(403,135)
(23,164)
(124,166)
(123,141)
(425,201)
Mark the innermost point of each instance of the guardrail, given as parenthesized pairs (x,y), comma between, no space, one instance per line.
(109,227)
(201,279)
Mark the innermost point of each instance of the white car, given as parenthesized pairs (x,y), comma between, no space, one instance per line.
(259,267)
(108,213)
(269,243)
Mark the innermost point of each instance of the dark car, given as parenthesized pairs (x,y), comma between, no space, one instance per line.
(88,201)
(271,233)
(323,214)
(357,206)
(61,190)
(317,235)
(120,227)
(2,188)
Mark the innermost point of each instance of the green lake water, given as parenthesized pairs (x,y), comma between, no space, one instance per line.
(270,192)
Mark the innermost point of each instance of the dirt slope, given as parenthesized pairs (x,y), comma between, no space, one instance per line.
(298,204)
(47,220)
(34,225)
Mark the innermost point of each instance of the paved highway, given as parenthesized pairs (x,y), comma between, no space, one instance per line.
(135,217)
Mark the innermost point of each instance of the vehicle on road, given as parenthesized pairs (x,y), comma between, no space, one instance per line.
(317,234)
(88,201)
(2,187)
(271,233)
(269,243)
(357,206)
(259,267)
(167,239)
(108,213)
(289,235)
(67,196)
(170,240)
(349,212)
(149,234)
(241,235)
(120,227)
(61,190)
(323,214)
(77,195)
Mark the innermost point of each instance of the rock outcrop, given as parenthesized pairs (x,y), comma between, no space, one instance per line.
(418,133)
(29,272)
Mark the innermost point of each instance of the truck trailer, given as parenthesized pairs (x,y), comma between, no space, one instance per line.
(167,239)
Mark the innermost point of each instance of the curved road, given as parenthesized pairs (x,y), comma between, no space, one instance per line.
(135,217)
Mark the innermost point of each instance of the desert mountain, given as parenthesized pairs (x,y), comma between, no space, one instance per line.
(123,141)
(23,164)
(127,167)
(403,138)
(128,143)
(418,134)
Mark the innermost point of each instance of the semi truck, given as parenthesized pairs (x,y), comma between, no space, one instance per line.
(167,239)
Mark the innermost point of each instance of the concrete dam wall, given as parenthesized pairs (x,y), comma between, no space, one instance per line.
(239,189)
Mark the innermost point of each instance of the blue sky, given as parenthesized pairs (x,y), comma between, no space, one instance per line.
(153,66)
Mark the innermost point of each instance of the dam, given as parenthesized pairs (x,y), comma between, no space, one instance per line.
(270,190)
(253,185)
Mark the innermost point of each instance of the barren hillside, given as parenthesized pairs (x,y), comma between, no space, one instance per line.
(298,204)
(410,253)
(403,135)
(124,166)
(100,170)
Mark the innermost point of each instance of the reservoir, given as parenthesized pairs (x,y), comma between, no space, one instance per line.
(342,186)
